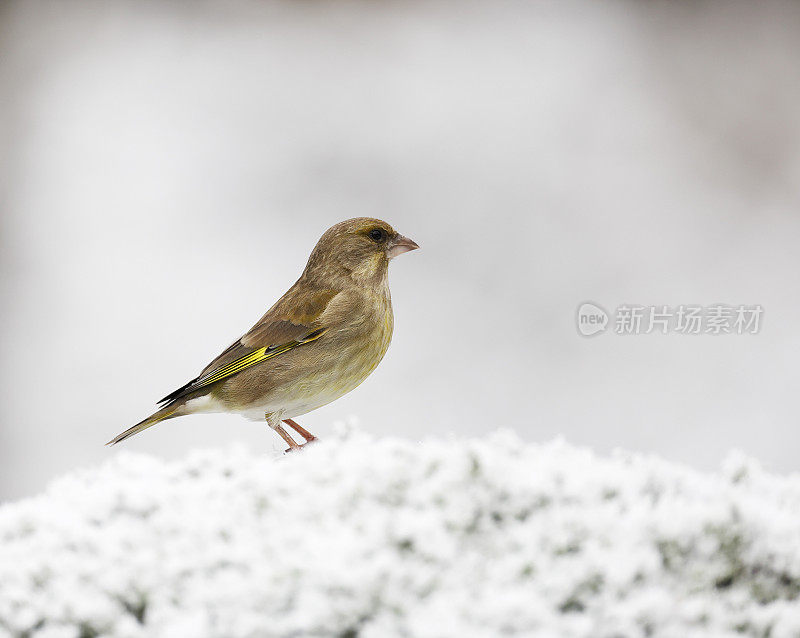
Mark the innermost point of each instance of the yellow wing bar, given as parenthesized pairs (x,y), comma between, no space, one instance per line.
(262,354)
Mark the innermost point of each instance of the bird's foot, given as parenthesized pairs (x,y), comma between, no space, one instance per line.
(300,446)
(300,430)
(293,445)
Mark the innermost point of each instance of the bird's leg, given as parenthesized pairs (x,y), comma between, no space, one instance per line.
(300,430)
(293,445)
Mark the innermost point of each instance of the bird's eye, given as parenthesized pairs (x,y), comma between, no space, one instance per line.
(377,234)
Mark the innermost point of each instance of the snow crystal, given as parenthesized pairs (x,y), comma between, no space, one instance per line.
(358,537)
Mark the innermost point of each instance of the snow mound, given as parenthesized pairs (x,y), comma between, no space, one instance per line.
(363,538)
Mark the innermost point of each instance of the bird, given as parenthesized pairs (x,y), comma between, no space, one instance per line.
(318,342)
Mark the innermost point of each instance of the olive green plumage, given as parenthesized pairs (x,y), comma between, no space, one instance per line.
(319,341)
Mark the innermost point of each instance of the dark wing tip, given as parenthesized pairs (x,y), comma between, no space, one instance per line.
(176,394)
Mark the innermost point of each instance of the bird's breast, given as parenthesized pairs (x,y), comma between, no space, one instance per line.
(356,350)
(328,368)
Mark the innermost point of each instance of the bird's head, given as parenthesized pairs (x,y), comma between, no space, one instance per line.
(359,248)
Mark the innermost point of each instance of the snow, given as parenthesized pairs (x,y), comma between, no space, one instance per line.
(358,537)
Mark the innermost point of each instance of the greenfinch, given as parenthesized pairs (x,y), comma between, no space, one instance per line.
(317,343)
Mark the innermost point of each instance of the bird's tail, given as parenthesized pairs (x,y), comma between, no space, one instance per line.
(167,412)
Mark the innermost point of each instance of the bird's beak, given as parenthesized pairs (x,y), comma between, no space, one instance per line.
(400,245)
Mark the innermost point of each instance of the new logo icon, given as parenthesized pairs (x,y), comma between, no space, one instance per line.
(591,319)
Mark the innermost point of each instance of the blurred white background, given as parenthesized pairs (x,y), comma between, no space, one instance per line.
(167,168)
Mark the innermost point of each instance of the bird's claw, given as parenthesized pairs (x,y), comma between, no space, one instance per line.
(300,445)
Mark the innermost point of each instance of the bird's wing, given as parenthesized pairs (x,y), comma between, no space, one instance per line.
(290,323)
